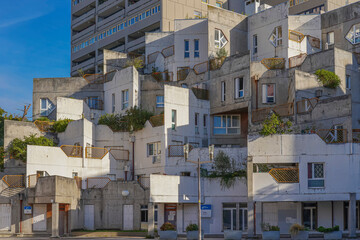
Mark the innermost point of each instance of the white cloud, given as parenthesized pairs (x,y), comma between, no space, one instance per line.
(10,22)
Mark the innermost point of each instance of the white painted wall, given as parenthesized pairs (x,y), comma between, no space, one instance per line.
(68,108)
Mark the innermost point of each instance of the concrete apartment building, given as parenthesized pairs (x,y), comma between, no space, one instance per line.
(133,180)
(120,25)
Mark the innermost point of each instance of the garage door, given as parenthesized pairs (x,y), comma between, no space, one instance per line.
(39,217)
(5,217)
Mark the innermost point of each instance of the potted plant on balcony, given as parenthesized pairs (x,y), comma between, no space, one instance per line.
(167,231)
(331,233)
(192,232)
(232,235)
(298,232)
(270,232)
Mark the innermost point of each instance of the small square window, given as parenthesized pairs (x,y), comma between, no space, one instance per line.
(186,49)
(159,101)
(268,91)
(330,38)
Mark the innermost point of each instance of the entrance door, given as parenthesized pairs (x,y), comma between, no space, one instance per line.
(310,216)
(39,217)
(5,217)
(229,217)
(89,217)
(128,217)
(63,217)
(170,213)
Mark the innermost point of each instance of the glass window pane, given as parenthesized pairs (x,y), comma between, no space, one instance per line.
(217,121)
(235,121)
(226,219)
(43,103)
(233,130)
(318,171)
(224,121)
(219,131)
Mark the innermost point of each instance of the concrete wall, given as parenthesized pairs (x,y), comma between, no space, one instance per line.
(73,109)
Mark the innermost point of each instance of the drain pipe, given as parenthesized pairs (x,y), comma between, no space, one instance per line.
(132,139)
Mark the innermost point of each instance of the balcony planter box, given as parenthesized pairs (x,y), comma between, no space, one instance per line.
(273,235)
(333,235)
(301,235)
(232,235)
(168,235)
(194,235)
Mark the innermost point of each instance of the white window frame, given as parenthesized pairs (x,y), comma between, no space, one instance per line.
(173,119)
(144,208)
(255,44)
(239,87)
(348,82)
(48,109)
(159,104)
(330,38)
(220,39)
(353,36)
(156,149)
(276,36)
(124,99)
(313,173)
(186,49)
(223,91)
(265,96)
(196,50)
(224,125)
(197,119)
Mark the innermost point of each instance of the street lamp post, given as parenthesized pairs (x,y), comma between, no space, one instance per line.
(211,156)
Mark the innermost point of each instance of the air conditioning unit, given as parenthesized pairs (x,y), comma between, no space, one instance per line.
(126,168)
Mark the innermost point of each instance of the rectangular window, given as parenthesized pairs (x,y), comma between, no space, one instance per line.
(196,48)
(276,36)
(160,101)
(255,44)
(144,213)
(219,4)
(239,87)
(229,216)
(226,124)
(125,99)
(185,174)
(173,119)
(243,217)
(223,91)
(316,175)
(186,49)
(197,14)
(348,82)
(154,149)
(205,124)
(268,93)
(197,116)
(113,102)
(220,39)
(94,102)
(330,38)
(310,215)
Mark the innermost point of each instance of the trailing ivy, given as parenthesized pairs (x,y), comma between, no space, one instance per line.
(227,170)
(274,125)
(18,147)
(328,79)
(133,120)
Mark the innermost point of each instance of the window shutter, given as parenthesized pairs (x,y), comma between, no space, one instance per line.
(264,93)
(309,170)
(237,87)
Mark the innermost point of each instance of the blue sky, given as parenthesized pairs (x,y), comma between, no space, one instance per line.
(34,43)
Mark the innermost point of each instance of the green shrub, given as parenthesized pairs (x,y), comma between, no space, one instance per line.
(328,230)
(43,119)
(3,116)
(192,227)
(18,147)
(138,63)
(133,120)
(266,227)
(274,125)
(221,53)
(327,78)
(2,156)
(60,126)
(167,227)
(296,228)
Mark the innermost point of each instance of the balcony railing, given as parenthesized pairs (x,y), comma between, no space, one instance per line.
(183,73)
(176,150)
(331,136)
(285,175)
(95,152)
(144,182)
(32,180)
(44,126)
(72,151)
(200,93)
(168,52)
(97,182)
(201,68)
(94,78)
(162,76)
(157,121)
(14,181)
(152,57)
(297,60)
(283,110)
(273,63)
(356,135)
(314,42)
(306,105)
(296,36)
(119,154)
(109,76)
(216,63)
